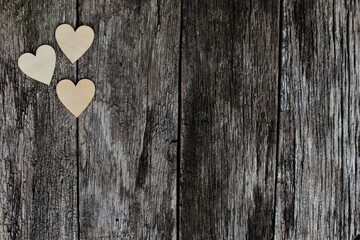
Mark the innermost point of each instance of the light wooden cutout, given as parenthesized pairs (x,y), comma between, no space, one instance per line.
(40,66)
(75,98)
(74,43)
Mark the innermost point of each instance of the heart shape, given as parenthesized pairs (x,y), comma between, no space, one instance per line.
(40,66)
(74,43)
(75,98)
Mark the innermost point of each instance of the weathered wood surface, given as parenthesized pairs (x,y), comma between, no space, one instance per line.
(128,137)
(211,120)
(318,176)
(229,119)
(38,181)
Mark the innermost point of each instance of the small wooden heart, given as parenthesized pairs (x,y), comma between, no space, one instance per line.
(74,43)
(40,66)
(75,98)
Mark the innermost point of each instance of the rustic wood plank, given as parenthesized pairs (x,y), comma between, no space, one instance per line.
(128,134)
(229,119)
(318,178)
(37,135)
(128,137)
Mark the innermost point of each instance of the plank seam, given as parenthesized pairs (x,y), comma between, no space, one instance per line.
(178,157)
(77,142)
(280,42)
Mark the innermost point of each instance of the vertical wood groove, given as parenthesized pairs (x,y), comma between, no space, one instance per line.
(178,150)
(280,66)
(77,137)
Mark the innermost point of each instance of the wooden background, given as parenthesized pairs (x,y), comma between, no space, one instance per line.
(212,120)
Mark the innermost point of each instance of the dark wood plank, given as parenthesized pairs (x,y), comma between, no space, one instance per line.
(128,135)
(318,178)
(37,135)
(229,119)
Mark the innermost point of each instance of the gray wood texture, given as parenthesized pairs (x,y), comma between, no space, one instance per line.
(38,159)
(211,120)
(229,119)
(128,137)
(318,174)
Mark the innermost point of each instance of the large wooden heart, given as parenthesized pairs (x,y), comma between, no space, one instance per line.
(75,98)
(74,43)
(40,66)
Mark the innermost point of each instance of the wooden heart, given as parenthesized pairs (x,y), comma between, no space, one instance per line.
(75,98)
(74,43)
(40,66)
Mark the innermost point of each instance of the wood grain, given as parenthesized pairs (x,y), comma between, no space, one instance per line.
(37,141)
(228,119)
(211,120)
(128,136)
(318,177)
